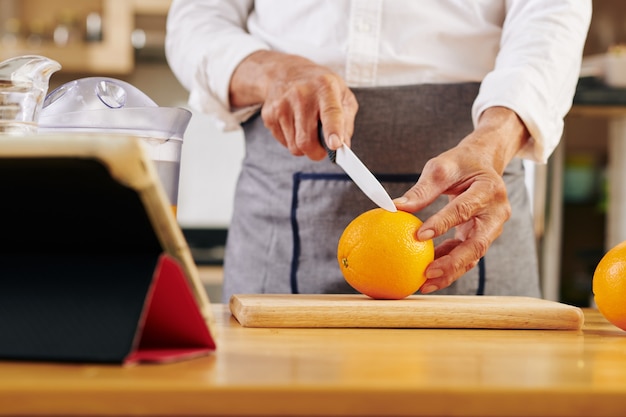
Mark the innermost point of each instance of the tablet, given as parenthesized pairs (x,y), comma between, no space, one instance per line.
(86,226)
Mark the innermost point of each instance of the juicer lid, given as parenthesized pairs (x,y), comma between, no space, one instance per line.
(102,104)
(95,93)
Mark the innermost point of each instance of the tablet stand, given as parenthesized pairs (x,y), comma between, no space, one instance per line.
(84,276)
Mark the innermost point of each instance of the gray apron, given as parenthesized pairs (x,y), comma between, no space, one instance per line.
(289,212)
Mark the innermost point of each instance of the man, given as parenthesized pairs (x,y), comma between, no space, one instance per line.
(439,98)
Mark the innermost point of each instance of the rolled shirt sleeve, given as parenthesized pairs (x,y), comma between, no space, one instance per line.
(205,42)
(537,68)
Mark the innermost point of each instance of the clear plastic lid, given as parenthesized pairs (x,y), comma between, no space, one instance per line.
(95,93)
(151,122)
(100,104)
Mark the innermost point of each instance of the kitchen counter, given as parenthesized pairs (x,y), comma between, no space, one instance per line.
(323,372)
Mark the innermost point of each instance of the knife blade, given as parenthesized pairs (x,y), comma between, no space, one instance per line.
(359,173)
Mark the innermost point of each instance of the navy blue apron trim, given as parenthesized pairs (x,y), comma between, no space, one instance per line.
(295,233)
(300,176)
(297,178)
(481,277)
(397,177)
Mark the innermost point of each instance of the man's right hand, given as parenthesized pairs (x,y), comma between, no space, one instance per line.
(296,94)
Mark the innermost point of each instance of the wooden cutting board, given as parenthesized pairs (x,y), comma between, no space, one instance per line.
(417,311)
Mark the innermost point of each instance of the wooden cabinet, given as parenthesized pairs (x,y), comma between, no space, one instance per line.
(112,53)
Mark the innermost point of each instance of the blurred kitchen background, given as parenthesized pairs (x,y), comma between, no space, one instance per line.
(124,39)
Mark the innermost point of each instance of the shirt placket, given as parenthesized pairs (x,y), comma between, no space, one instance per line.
(363,42)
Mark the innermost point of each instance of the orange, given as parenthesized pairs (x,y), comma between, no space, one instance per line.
(380,256)
(609,285)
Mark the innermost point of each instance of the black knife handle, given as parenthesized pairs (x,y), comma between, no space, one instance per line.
(332,155)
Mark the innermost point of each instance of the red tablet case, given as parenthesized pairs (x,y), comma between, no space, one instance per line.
(172,326)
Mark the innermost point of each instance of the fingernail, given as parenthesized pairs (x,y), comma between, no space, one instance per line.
(433,273)
(333,141)
(426,234)
(401,200)
(426,289)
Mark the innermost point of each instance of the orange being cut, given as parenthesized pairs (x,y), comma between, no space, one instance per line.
(380,256)
(609,285)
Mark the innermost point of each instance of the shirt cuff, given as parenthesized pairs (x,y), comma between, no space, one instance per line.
(519,92)
(211,85)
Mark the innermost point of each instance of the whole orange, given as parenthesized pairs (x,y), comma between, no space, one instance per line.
(380,256)
(609,285)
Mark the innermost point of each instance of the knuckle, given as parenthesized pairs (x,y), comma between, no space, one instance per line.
(294,150)
(298,94)
(480,247)
(268,111)
(449,279)
(438,169)
(471,265)
(351,103)
(459,264)
(507,210)
(303,143)
(465,210)
(327,81)
(499,193)
(473,252)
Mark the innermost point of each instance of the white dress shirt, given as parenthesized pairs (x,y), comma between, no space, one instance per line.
(526,53)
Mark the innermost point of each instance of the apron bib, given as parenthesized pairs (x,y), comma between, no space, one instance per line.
(289,212)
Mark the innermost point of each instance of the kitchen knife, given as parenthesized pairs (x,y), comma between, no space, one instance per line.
(358,172)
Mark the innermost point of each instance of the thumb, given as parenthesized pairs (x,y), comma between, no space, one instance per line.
(330,135)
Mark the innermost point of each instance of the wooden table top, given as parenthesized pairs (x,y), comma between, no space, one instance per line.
(320,372)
